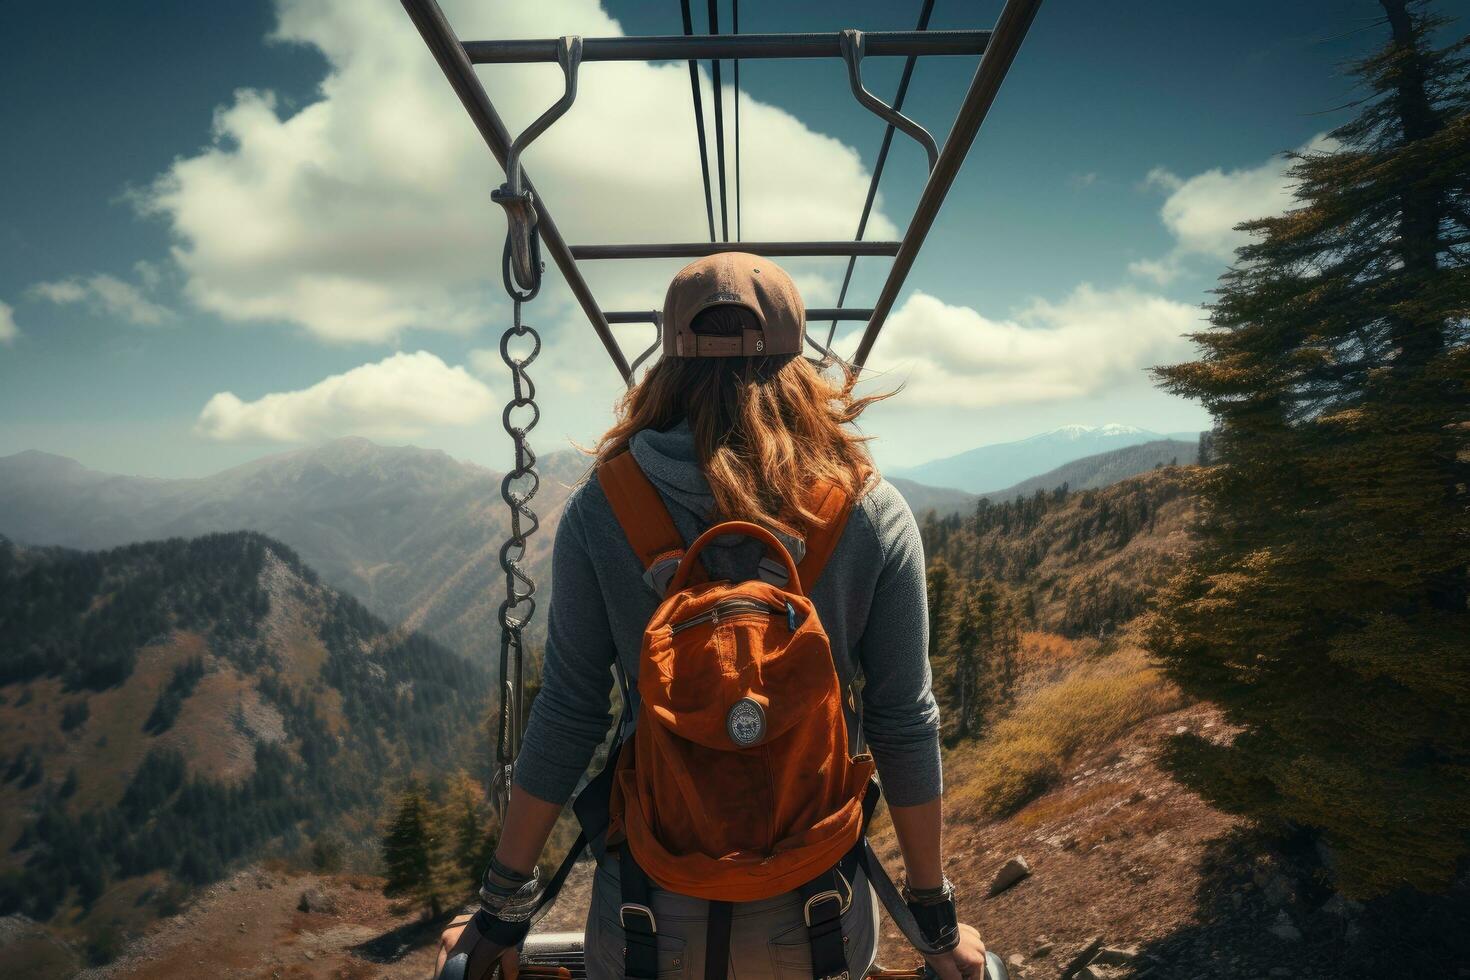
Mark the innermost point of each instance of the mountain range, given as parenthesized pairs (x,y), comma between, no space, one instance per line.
(1001,466)
(414,533)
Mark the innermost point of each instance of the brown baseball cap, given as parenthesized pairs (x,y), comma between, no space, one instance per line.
(734,279)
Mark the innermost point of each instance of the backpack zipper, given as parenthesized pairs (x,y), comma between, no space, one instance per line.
(737,607)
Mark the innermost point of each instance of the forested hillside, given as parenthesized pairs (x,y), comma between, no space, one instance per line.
(172,708)
(1078,562)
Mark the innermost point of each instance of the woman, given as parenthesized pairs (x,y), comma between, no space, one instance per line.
(733,423)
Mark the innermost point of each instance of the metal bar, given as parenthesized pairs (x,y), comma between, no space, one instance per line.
(690,250)
(854,46)
(618,317)
(903,90)
(1010,31)
(450,55)
(676,48)
(834,313)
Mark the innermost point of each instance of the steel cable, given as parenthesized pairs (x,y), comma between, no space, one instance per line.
(709,206)
(714,28)
(735,28)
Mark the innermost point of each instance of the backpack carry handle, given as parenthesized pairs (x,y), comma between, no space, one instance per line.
(773,545)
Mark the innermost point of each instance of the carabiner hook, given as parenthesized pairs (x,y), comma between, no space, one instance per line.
(521,268)
(852,52)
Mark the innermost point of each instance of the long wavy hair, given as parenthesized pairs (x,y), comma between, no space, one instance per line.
(765,428)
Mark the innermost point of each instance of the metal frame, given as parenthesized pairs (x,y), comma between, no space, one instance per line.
(819,313)
(693,250)
(679,47)
(997,49)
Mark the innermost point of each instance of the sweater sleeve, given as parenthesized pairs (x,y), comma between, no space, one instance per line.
(570,716)
(900,717)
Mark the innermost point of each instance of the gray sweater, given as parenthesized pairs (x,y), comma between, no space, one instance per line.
(870,599)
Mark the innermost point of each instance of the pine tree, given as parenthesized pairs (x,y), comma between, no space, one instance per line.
(940,584)
(963,640)
(467,820)
(986,598)
(1007,652)
(413,852)
(1327,609)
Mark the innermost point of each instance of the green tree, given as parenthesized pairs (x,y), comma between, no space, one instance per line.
(326,853)
(941,582)
(1327,609)
(964,640)
(413,852)
(466,816)
(980,638)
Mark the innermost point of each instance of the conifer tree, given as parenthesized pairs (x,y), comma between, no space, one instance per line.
(963,640)
(986,598)
(467,819)
(941,582)
(413,852)
(1327,609)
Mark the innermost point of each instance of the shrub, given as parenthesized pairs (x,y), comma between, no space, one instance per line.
(1024,754)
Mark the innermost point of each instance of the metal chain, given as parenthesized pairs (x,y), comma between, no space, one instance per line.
(517,488)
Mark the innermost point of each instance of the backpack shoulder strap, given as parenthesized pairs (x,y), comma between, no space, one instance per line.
(832,508)
(644,518)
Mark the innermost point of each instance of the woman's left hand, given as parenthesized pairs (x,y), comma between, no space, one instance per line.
(463,937)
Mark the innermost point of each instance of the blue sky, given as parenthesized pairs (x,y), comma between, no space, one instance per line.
(231,229)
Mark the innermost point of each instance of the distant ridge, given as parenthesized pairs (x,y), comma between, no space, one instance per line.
(988,469)
(1088,473)
(1104,469)
(941,500)
(411,532)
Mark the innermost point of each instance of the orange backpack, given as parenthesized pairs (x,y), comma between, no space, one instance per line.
(737,783)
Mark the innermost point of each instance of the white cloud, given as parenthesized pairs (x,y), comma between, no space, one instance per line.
(8,330)
(396,398)
(1201,211)
(1161,271)
(368,211)
(1086,344)
(148,273)
(486,362)
(107,295)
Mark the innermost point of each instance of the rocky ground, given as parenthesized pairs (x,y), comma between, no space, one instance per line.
(1117,873)
(1122,873)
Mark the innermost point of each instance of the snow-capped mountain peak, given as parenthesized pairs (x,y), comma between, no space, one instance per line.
(1111,430)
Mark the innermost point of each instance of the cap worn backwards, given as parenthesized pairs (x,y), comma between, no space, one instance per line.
(734,279)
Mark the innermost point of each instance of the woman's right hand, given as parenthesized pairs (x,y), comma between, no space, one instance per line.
(463,937)
(965,962)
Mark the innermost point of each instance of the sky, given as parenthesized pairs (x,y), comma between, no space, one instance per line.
(234,229)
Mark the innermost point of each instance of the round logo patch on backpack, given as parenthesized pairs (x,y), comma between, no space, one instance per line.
(746,722)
